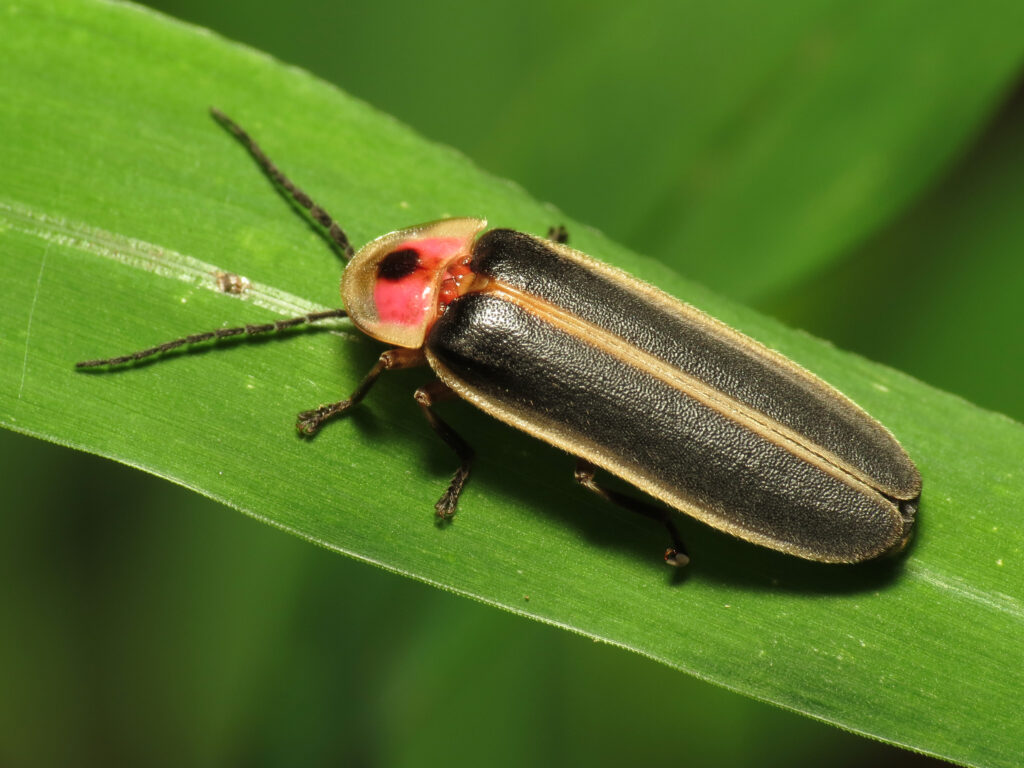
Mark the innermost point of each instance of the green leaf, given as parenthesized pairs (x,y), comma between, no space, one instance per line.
(121,199)
(945,280)
(748,144)
(619,114)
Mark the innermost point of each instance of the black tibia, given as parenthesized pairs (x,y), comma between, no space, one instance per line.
(319,215)
(674,555)
(434,392)
(558,234)
(220,333)
(309,422)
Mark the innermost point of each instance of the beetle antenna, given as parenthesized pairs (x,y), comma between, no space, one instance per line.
(220,333)
(294,193)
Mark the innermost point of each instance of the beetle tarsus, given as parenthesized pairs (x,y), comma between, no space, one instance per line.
(308,423)
(445,506)
(427,396)
(674,555)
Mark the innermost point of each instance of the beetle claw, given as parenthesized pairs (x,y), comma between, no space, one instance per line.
(308,423)
(676,558)
(445,506)
(445,509)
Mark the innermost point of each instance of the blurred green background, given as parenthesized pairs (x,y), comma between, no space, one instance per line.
(856,171)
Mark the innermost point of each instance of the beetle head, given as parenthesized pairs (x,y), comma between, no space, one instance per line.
(391,286)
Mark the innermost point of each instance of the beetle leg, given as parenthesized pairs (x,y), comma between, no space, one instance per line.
(674,555)
(558,234)
(434,392)
(309,422)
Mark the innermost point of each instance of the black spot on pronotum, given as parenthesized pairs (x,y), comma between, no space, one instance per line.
(398,264)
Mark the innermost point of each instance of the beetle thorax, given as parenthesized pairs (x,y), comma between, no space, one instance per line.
(396,286)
